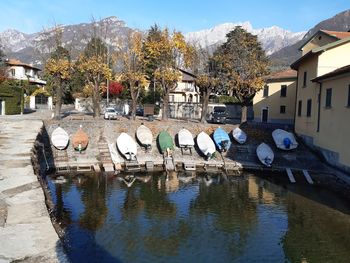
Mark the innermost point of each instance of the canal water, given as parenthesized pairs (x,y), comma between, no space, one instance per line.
(199,218)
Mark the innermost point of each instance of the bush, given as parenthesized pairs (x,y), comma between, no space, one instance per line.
(10,92)
(227,99)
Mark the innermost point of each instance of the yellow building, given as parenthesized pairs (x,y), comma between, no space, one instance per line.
(275,103)
(322,117)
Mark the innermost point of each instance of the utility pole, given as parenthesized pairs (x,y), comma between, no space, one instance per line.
(107,79)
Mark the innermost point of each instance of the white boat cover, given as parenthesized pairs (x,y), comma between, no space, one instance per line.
(239,135)
(127,146)
(206,144)
(284,140)
(144,135)
(185,138)
(265,154)
(59,138)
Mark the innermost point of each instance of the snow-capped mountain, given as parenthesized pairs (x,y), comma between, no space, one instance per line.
(272,38)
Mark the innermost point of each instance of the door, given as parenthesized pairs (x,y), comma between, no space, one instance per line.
(264,114)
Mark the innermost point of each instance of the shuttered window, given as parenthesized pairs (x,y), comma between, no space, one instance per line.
(308,108)
(328,98)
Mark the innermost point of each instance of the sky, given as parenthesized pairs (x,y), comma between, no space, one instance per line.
(30,16)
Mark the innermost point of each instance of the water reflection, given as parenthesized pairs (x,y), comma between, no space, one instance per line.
(198,218)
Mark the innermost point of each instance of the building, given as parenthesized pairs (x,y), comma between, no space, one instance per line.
(185,90)
(184,101)
(22,71)
(10,100)
(322,113)
(275,103)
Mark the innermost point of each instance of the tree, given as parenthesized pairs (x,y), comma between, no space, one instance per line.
(133,73)
(115,88)
(243,64)
(93,65)
(170,52)
(3,71)
(58,69)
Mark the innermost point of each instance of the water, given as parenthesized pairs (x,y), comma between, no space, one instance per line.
(247,219)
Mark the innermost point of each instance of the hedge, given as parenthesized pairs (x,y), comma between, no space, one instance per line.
(10,92)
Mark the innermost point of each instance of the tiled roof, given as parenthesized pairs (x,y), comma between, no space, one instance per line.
(339,71)
(283,74)
(337,34)
(15,62)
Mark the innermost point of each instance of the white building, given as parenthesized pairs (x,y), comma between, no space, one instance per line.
(22,71)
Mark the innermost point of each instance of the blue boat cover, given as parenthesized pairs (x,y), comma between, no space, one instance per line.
(221,139)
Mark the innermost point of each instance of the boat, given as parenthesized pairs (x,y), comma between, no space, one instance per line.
(165,141)
(265,154)
(127,146)
(239,135)
(221,139)
(206,145)
(144,136)
(60,138)
(284,140)
(185,139)
(80,140)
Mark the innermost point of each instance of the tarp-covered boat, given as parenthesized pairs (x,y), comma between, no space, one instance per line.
(185,138)
(206,145)
(221,139)
(59,138)
(144,135)
(80,140)
(239,135)
(284,140)
(127,146)
(165,141)
(265,154)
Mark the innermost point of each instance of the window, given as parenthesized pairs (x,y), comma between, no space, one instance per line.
(308,108)
(348,96)
(266,91)
(282,109)
(13,72)
(171,98)
(304,79)
(299,107)
(328,98)
(283,90)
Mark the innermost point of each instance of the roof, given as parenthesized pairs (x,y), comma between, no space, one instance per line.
(319,50)
(15,62)
(337,35)
(283,74)
(187,76)
(334,73)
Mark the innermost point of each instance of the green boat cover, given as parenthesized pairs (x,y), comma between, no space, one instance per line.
(165,141)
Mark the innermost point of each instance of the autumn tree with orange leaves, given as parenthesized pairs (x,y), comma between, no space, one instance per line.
(171,52)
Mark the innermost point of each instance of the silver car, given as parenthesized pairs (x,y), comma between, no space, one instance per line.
(111,114)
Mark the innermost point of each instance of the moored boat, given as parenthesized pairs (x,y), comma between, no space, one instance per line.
(165,141)
(80,140)
(221,139)
(239,135)
(144,136)
(185,139)
(206,145)
(127,146)
(60,138)
(284,140)
(265,154)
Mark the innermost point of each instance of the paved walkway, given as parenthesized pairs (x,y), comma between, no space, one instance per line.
(26,231)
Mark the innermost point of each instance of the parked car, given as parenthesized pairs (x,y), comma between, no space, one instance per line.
(218,115)
(111,113)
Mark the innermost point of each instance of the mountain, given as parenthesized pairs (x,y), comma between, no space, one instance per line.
(284,57)
(272,38)
(34,48)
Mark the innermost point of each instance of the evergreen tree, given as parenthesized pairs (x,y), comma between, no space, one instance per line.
(242,65)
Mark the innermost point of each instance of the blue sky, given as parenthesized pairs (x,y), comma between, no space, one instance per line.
(185,15)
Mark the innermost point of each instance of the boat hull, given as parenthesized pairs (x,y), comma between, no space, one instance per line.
(80,140)
(239,135)
(265,154)
(222,140)
(206,145)
(127,146)
(284,140)
(60,138)
(144,136)
(165,141)
(185,138)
